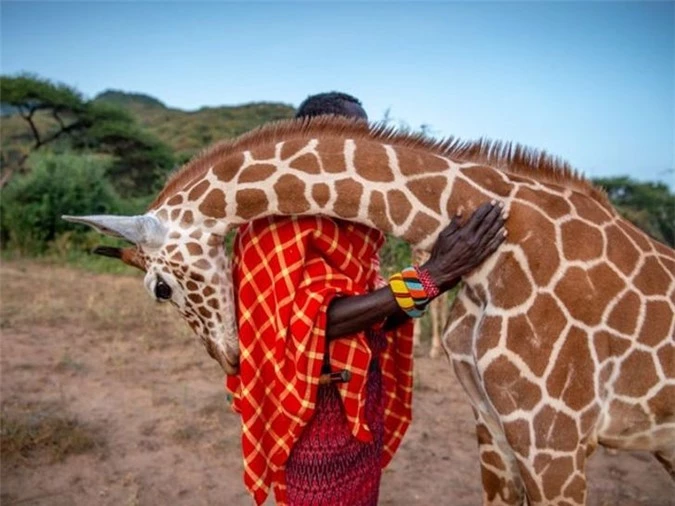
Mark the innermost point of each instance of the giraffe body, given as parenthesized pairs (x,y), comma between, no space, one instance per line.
(563,339)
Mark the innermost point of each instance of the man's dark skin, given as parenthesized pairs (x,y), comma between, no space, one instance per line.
(458,250)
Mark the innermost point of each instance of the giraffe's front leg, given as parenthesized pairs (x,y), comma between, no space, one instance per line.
(502,483)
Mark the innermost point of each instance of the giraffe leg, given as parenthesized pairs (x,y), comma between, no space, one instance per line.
(502,483)
(551,475)
(434,313)
(417,332)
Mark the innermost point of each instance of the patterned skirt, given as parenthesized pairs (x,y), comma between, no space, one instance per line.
(330,467)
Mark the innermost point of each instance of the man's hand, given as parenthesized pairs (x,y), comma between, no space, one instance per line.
(461,248)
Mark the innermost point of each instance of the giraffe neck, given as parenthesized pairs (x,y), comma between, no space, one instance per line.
(409,193)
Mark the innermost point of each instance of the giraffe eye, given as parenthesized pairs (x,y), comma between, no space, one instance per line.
(162,290)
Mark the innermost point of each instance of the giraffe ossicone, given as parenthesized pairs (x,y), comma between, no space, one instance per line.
(563,339)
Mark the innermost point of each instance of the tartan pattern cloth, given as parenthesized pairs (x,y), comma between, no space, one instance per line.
(286,271)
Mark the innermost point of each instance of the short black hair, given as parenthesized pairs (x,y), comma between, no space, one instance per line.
(333,102)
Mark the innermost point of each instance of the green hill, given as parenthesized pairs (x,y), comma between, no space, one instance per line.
(186,132)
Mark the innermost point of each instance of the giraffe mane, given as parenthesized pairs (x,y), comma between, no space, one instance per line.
(509,157)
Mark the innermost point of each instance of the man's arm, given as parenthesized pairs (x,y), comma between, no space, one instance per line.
(458,250)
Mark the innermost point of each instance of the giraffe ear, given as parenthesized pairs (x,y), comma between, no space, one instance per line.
(144,230)
(129,256)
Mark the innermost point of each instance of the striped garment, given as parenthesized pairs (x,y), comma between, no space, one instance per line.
(286,272)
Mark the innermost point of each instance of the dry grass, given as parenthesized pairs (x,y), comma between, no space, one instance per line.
(44,430)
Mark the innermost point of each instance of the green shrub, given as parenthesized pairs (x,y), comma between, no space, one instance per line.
(32,205)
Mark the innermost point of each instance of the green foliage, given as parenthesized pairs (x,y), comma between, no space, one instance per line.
(27,92)
(395,254)
(649,206)
(32,205)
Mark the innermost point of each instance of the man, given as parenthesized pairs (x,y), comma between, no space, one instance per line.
(309,307)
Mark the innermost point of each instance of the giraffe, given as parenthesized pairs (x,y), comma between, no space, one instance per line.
(438,314)
(563,339)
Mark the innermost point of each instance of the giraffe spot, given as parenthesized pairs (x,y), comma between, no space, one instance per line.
(508,389)
(214,204)
(377,212)
(657,323)
(171,248)
(667,359)
(195,298)
(194,248)
(208,291)
(412,161)
(321,194)
(203,264)
(332,152)
(196,234)
(662,405)
(307,163)
(576,490)
(586,293)
(177,256)
(624,420)
(581,241)
(228,167)
(204,312)
(213,303)
(571,379)
(210,223)
(623,317)
(422,226)
(652,279)
(492,180)
(192,286)
(176,200)
(531,485)
(608,345)
(264,151)
(372,163)
(256,172)
(488,335)
(399,207)
(507,283)
(495,486)
(620,251)
(555,430)
(638,374)
(428,191)
(199,278)
(638,236)
(251,203)
(552,206)
(492,459)
(464,196)
(589,419)
(290,191)
(187,219)
(533,335)
(517,434)
(175,214)
(459,340)
(589,209)
(483,435)
(198,190)
(348,201)
(555,475)
(535,235)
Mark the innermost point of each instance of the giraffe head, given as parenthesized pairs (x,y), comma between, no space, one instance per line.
(185,266)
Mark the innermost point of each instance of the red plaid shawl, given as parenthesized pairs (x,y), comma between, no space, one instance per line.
(286,271)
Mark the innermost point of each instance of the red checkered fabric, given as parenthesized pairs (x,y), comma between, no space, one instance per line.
(286,272)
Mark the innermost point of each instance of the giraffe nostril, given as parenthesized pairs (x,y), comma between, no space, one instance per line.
(162,290)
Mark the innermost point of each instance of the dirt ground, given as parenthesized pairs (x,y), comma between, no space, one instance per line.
(143,419)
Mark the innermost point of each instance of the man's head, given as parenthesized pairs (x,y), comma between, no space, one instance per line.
(334,102)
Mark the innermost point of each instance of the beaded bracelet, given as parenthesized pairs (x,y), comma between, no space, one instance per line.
(429,286)
(409,291)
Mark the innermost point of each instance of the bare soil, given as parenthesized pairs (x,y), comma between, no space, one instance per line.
(130,379)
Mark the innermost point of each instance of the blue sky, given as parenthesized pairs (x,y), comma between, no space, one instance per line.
(593,82)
